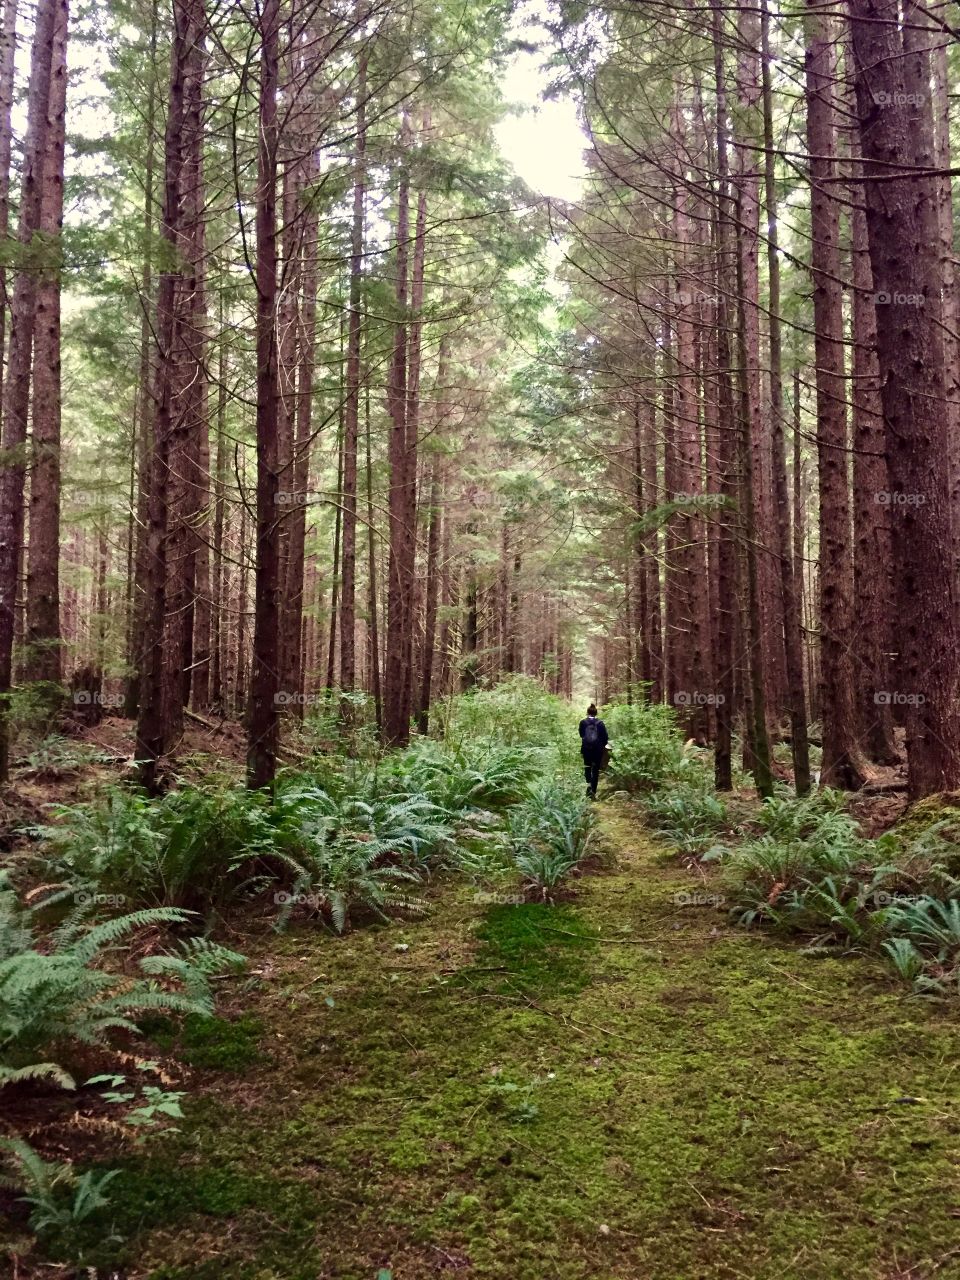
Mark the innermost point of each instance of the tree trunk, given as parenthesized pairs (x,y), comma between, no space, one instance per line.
(8,57)
(793,635)
(904,237)
(372,571)
(756,739)
(43,661)
(843,764)
(16,391)
(262,725)
(395,711)
(348,609)
(153,708)
(872,587)
(432,576)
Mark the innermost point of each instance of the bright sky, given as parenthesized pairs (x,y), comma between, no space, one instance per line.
(545,144)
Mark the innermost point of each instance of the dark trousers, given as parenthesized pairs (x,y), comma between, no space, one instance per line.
(591,772)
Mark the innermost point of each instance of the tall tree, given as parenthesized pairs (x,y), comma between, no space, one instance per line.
(262,722)
(896,136)
(842,759)
(43,658)
(16,390)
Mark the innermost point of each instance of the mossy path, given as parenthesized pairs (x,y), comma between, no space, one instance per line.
(625,1087)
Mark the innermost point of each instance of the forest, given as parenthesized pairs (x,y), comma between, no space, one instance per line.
(410,414)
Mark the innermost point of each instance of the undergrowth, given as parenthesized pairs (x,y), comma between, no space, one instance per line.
(801,865)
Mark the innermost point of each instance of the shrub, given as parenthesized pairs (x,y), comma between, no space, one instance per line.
(347,850)
(52,993)
(646,747)
(689,816)
(549,834)
(196,848)
(790,817)
(55,757)
(808,864)
(481,775)
(58,1196)
(516,712)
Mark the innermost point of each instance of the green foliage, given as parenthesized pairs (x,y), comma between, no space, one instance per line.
(515,1102)
(198,961)
(802,869)
(52,992)
(929,923)
(789,817)
(687,815)
(156,1105)
(647,750)
(906,960)
(60,1198)
(476,775)
(195,848)
(348,847)
(516,712)
(54,757)
(549,833)
(810,871)
(33,712)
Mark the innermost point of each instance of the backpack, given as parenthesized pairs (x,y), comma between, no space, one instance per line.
(591,733)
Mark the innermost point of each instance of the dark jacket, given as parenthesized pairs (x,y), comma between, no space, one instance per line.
(593,753)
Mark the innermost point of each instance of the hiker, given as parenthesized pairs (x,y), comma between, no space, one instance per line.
(593,739)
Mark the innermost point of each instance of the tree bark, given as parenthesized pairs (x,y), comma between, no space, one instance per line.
(16,391)
(348,608)
(396,717)
(904,238)
(44,652)
(843,764)
(153,708)
(793,636)
(262,724)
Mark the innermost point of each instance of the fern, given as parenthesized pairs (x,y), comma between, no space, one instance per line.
(60,995)
(59,1197)
(198,962)
(904,957)
(928,923)
(549,835)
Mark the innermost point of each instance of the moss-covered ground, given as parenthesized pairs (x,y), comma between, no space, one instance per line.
(626,1086)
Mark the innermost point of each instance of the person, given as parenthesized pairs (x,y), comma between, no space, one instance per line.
(593,739)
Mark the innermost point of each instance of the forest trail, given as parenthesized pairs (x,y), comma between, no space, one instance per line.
(626,1087)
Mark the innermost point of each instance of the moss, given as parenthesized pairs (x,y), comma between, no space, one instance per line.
(702,1102)
(942,811)
(541,948)
(219,1044)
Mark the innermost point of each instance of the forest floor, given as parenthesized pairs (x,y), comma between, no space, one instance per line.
(624,1086)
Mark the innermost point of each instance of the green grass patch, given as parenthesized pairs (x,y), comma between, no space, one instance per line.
(215,1044)
(543,949)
